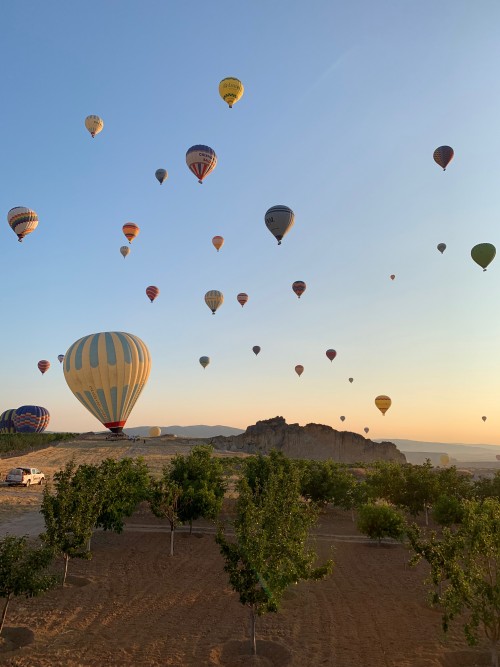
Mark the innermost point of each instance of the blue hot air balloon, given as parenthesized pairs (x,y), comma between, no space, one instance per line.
(31,419)
(7,421)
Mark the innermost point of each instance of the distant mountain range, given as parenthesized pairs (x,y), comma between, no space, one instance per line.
(460,452)
(198,431)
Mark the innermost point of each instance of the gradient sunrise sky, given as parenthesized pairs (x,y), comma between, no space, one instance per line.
(344,105)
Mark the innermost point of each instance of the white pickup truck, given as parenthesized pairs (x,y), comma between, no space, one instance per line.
(24,477)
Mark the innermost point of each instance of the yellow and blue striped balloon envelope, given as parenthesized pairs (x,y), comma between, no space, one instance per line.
(107,372)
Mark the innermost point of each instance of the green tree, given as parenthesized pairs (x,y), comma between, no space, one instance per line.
(420,489)
(200,476)
(23,570)
(453,484)
(269,552)
(70,514)
(329,482)
(447,511)
(487,488)
(164,500)
(386,481)
(465,569)
(381,519)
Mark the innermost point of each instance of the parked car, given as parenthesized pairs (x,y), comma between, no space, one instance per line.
(24,476)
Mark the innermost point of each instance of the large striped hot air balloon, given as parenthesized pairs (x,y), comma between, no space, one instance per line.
(383,403)
(94,124)
(279,220)
(131,230)
(242,298)
(201,160)
(22,220)
(43,366)
(31,419)
(231,90)
(7,421)
(107,372)
(443,156)
(152,291)
(214,299)
(299,287)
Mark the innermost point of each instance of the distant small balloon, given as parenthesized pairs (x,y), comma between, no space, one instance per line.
(154,431)
(43,366)
(392,276)
(484,418)
(256,349)
(214,299)
(383,403)
(60,358)
(161,175)
(22,221)
(279,220)
(441,247)
(444,459)
(218,242)
(131,230)
(94,125)
(201,160)
(498,457)
(299,369)
(152,291)
(231,90)
(204,361)
(242,298)
(124,250)
(342,418)
(331,354)
(366,429)
(351,380)
(299,287)
(443,156)
(483,254)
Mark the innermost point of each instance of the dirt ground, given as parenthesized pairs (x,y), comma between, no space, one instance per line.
(132,604)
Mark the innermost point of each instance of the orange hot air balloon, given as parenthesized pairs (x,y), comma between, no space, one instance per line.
(299,287)
(131,230)
(218,242)
(152,292)
(331,354)
(443,156)
(392,276)
(299,369)
(242,298)
(43,366)
(383,403)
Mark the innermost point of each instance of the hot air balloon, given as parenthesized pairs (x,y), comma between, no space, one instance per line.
(94,125)
(218,242)
(242,298)
(43,366)
(299,287)
(279,220)
(161,175)
(124,250)
(342,418)
(106,372)
(201,160)
(444,459)
(366,429)
(443,156)
(383,403)
(483,254)
(351,380)
(392,276)
(331,354)
(231,90)
(256,349)
(22,220)
(131,230)
(154,431)
(204,361)
(214,299)
(299,369)
(441,247)
(31,419)
(60,358)
(484,418)
(152,292)
(498,457)
(7,421)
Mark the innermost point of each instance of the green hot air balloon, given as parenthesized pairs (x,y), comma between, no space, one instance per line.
(483,254)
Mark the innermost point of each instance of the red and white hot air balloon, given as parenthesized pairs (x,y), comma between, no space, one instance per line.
(152,292)
(242,298)
(43,366)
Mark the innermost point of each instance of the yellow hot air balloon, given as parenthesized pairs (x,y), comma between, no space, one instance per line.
(131,230)
(94,125)
(383,403)
(107,372)
(214,299)
(231,90)
(444,459)
(154,431)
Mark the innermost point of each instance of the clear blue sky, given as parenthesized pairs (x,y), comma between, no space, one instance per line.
(344,105)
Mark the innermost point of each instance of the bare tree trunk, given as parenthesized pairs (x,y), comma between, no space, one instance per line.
(494,653)
(66,562)
(4,613)
(426,515)
(172,529)
(252,630)
(190,526)
(352,514)
(88,543)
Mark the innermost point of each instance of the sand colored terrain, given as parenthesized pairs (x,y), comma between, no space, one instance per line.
(134,605)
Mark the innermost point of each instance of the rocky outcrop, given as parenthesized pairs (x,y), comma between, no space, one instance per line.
(313,441)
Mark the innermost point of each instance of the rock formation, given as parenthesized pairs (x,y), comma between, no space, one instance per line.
(313,441)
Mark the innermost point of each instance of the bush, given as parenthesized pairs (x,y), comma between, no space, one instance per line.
(378,520)
(447,511)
